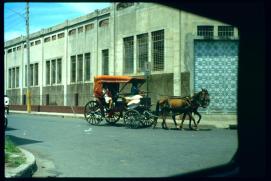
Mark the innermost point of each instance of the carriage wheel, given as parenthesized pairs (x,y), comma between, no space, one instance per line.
(132,119)
(148,119)
(93,114)
(112,117)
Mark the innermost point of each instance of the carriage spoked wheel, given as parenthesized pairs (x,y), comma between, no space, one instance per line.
(132,119)
(112,117)
(92,113)
(148,118)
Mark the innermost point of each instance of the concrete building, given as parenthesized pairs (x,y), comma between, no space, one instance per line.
(185,52)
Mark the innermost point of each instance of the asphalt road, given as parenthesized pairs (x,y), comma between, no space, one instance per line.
(70,147)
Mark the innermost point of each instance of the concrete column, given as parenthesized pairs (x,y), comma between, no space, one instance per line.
(5,71)
(41,69)
(177,52)
(65,65)
(22,74)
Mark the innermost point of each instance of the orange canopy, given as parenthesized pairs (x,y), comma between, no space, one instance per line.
(99,80)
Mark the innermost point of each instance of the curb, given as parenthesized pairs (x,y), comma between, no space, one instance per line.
(25,170)
(208,123)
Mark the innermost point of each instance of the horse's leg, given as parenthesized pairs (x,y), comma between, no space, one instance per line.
(197,113)
(191,117)
(181,125)
(174,119)
(164,124)
(154,122)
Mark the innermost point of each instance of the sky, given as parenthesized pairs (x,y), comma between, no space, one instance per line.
(42,15)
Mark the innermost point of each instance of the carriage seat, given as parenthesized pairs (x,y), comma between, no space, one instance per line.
(133,99)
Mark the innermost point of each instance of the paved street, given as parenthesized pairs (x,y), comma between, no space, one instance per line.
(70,147)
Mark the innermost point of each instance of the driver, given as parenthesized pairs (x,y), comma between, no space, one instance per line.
(135,98)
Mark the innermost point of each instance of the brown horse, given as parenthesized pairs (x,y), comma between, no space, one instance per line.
(186,106)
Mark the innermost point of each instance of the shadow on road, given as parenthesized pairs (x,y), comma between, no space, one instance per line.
(21,141)
(10,129)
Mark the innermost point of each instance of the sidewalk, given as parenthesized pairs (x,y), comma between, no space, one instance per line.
(25,170)
(208,120)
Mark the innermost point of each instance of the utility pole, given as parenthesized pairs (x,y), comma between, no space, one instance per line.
(28,94)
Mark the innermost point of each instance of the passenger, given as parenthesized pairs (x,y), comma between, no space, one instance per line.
(107,96)
(134,89)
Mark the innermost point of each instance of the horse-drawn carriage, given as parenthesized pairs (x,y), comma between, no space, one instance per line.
(134,109)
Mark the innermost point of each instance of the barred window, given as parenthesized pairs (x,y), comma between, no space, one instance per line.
(158,50)
(18,48)
(225,31)
(205,31)
(53,37)
(36,74)
(9,78)
(89,27)
(37,42)
(31,74)
(9,50)
(105,62)
(17,76)
(32,44)
(60,35)
(142,51)
(104,23)
(13,78)
(80,67)
(87,66)
(25,78)
(121,6)
(53,71)
(80,29)
(72,32)
(73,68)
(47,39)
(128,54)
(14,49)
(59,70)
(48,72)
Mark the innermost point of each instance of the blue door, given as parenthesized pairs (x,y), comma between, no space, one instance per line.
(216,67)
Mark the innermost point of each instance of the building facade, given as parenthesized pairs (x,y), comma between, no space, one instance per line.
(179,51)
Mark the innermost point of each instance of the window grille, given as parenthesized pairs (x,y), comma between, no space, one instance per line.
(205,31)
(158,50)
(32,44)
(128,54)
(105,62)
(48,72)
(31,74)
(9,50)
(37,42)
(26,78)
(225,31)
(87,66)
(73,68)
(53,37)
(121,6)
(17,76)
(18,48)
(104,23)
(47,39)
(80,29)
(72,32)
(80,67)
(60,35)
(53,71)
(59,71)
(142,51)
(9,78)
(89,27)
(14,49)
(13,78)
(36,73)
